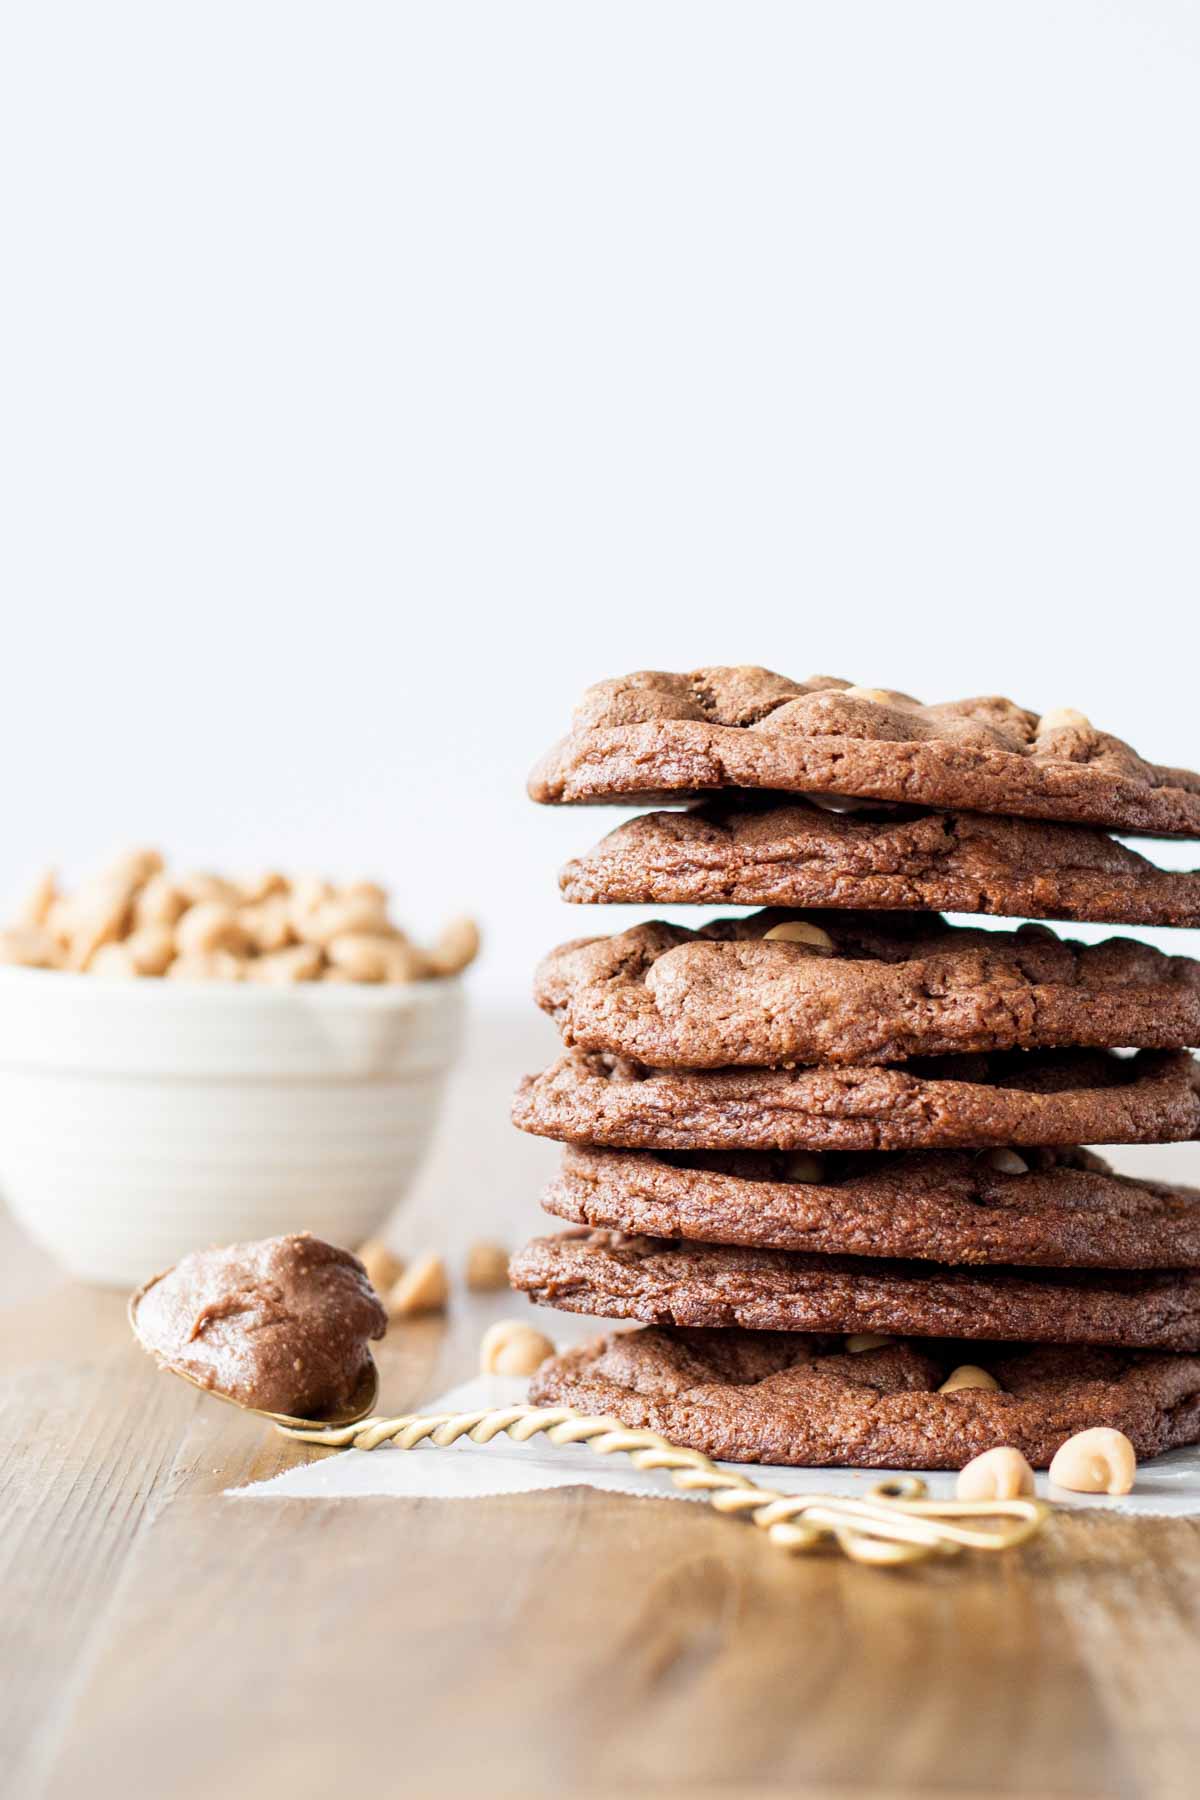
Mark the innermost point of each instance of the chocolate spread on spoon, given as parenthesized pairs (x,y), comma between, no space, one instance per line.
(281,1325)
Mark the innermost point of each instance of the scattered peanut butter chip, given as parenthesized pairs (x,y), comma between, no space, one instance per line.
(858,1341)
(511,1347)
(384,1268)
(423,1288)
(999,1474)
(487,1267)
(1099,1461)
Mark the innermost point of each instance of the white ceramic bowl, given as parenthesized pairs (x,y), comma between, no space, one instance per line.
(143,1119)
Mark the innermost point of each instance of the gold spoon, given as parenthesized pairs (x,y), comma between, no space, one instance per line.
(894,1523)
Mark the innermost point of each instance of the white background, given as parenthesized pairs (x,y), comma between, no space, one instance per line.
(375,376)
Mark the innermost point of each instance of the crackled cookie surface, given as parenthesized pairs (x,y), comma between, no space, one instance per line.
(657,736)
(663,1281)
(282,1325)
(1050,1208)
(862,988)
(775,1397)
(797,853)
(1017,1097)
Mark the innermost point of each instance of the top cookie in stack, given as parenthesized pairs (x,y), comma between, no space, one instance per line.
(654,736)
(705,1070)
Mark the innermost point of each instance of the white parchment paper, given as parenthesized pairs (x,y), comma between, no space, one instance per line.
(465,1471)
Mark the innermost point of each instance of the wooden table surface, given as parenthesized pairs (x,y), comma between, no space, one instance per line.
(157,1638)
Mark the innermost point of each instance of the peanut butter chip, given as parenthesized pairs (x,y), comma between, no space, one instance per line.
(877,696)
(858,1341)
(1063,718)
(1000,1474)
(487,1267)
(799,931)
(384,1268)
(969,1375)
(512,1348)
(1006,1161)
(423,1288)
(1099,1461)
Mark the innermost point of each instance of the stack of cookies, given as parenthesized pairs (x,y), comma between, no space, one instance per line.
(828,1153)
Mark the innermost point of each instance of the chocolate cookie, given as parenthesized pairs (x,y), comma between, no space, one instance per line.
(775,1397)
(866,988)
(800,854)
(1017,1097)
(655,736)
(281,1325)
(664,1282)
(1048,1208)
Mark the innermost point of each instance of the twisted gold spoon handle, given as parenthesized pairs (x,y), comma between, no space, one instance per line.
(880,1529)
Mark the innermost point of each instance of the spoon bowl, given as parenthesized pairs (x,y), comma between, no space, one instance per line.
(358,1408)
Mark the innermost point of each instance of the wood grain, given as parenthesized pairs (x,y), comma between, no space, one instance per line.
(155,1637)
